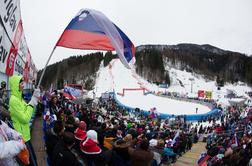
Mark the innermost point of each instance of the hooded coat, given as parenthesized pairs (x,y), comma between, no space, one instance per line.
(140,157)
(92,152)
(20,111)
(8,145)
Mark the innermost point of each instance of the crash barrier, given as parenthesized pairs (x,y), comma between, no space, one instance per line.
(206,102)
(209,103)
(131,89)
(214,113)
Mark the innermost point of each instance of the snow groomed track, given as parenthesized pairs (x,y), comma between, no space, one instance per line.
(116,78)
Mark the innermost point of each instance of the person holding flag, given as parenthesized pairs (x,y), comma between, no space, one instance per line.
(21,112)
(92,30)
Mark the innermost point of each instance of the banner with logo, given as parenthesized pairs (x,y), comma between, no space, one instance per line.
(208,94)
(33,71)
(201,94)
(5,46)
(163,85)
(10,16)
(11,32)
(19,65)
(15,57)
(27,67)
(23,49)
(14,50)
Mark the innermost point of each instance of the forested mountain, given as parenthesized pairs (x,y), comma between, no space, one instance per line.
(152,63)
(212,62)
(76,69)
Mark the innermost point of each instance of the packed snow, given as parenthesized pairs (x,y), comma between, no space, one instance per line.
(115,77)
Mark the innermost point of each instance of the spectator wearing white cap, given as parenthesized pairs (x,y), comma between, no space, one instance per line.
(91,150)
(9,147)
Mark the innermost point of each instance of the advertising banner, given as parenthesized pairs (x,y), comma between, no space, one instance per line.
(14,50)
(201,94)
(10,16)
(27,67)
(5,46)
(15,57)
(18,66)
(208,94)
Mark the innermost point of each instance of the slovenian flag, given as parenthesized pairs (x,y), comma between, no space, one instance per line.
(92,30)
(72,93)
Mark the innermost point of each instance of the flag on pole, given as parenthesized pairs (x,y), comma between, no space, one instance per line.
(72,93)
(92,30)
(235,139)
(175,137)
(14,50)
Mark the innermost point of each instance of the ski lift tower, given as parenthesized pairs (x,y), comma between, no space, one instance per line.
(192,81)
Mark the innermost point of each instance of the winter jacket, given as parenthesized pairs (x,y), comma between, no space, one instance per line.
(20,111)
(169,152)
(62,156)
(92,152)
(140,157)
(51,141)
(121,149)
(158,152)
(53,108)
(80,134)
(108,142)
(88,146)
(8,147)
(3,98)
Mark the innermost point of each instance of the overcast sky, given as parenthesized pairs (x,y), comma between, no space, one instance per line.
(226,24)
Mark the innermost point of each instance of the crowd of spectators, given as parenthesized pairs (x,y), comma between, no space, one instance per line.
(102,133)
(105,134)
(229,138)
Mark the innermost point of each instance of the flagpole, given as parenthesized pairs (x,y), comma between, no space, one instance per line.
(1,22)
(43,72)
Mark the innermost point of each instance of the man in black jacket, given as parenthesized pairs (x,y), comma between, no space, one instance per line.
(3,96)
(63,154)
(53,136)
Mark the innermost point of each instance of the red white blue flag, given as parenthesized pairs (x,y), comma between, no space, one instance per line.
(92,30)
(72,93)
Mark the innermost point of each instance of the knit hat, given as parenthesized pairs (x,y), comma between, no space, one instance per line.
(119,133)
(250,162)
(83,125)
(221,151)
(233,146)
(160,143)
(169,143)
(88,146)
(128,138)
(91,134)
(77,120)
(80,134)
(153,142)
(129,125)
